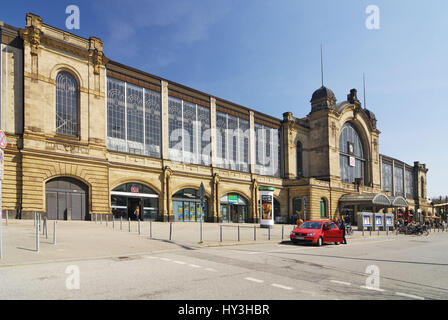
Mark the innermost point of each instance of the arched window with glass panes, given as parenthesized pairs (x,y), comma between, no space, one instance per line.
(352,156)
(67,104)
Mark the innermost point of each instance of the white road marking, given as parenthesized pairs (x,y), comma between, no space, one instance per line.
(409,296)
(151,258)
(179,262)
(210,269)
(194,266)
(254,280)
(281,286)
(373,289)
(341,282)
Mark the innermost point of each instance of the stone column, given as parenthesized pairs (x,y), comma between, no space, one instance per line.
(213,130)
(165,131)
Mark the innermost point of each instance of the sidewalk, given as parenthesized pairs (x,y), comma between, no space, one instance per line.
(89,240)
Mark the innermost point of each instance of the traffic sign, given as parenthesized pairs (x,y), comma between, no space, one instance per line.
(2,140)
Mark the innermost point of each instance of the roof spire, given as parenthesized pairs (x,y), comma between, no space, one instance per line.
(322,64)
(364,84)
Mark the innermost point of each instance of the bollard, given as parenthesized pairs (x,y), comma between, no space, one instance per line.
(96,217)
(7,217)
(200,231)
(255,233)
(54,232)
(171,230)
(101,218)
(34,218)
(283,231)
(150,229)
(139,227)
(40,221)
(46,228)
(121,223)
(220,233)
(370,231)
(37,238)
(269,232)
(129,224)
(107,220)
(113,222)
(238,233)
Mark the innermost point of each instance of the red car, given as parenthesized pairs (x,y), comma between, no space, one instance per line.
(317,232)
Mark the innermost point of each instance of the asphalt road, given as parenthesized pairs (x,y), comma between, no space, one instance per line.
(407,267)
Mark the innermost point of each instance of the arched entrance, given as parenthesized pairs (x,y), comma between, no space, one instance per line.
(187,206)
(234,208)
(67,199)
(125,200)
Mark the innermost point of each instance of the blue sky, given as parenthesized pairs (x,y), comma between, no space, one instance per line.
(265,55)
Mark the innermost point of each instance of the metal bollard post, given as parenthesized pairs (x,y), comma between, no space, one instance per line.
(238,233)
(150,229)
(113,222)
(121,223)
(269,232)
(139,227)
(220,233)
(101,217)
(129,224)
(200,231)
(34,218)
(37,238)
(171,230)
(7,217)
(107,220)
(46,228)
(96,217)
(255,233)
(54,232)
(283,231)
(370,231)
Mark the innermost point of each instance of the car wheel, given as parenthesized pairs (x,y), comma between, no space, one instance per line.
(319,241)
(294,241)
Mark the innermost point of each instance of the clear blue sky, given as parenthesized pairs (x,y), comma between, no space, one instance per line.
(264,54)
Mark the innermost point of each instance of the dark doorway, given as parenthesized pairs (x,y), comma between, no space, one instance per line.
(133,205)
(67,199)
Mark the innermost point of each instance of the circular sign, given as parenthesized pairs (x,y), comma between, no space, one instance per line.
(2,140)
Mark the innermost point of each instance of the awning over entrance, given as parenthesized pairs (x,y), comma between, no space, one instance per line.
(373,199)
(398,202)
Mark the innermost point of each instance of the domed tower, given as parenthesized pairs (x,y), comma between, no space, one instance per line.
(323,99)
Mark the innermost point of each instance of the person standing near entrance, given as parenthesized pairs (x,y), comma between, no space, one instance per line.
(137,213)
(342,227)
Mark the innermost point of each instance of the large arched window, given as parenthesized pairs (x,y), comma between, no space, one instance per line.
(299,151)
(67,104)
(352,156)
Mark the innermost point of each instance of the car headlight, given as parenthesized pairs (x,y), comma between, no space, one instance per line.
(312,234)
(292,233)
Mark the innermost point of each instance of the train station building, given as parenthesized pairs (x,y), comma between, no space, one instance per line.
(88,135)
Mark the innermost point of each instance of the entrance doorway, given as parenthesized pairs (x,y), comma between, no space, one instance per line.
(126,198)
(66,199)
(234,209)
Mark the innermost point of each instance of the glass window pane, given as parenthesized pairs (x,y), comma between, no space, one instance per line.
(67,104)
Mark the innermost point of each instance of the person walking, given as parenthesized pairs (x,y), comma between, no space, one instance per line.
(137,213)
(342,227)
(299,222)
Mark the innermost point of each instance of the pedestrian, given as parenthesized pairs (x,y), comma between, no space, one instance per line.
(137,213)
(342,227)
(443,225)
(299,222)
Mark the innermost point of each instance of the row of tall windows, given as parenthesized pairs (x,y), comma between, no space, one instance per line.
(397,179)
(133,119)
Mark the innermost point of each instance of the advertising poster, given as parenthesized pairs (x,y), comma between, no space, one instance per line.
(267,206)
(366,221)
(379,221)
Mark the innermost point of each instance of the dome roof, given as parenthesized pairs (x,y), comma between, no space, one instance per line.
(323,92)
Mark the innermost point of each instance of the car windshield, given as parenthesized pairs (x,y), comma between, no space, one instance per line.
(311,225)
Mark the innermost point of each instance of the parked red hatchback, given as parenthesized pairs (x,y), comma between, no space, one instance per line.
(317,232)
